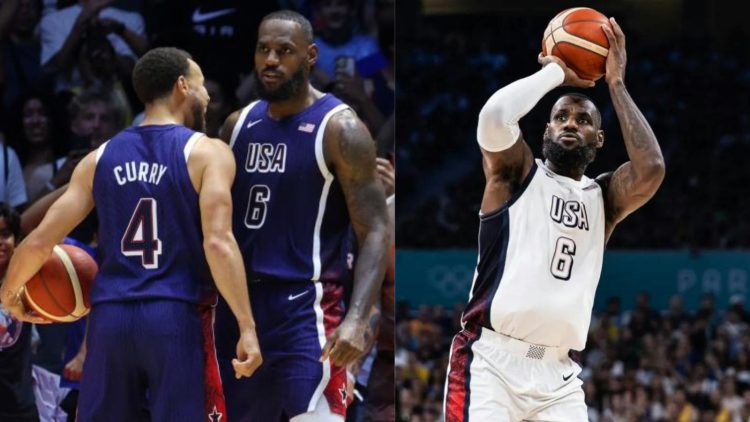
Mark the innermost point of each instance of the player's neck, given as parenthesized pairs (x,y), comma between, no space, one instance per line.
(575,174)
(160,114)
(278,110)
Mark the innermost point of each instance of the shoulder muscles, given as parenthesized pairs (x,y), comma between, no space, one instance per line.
(228,127)
(351,151)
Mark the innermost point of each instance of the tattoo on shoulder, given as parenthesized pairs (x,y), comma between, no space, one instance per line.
(354,141)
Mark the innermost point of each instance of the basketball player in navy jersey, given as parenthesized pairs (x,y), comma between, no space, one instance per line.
(162,195)
(543,229)
(306,176)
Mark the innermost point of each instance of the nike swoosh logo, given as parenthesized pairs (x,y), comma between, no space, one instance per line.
(199,17)
(251,124)
(292,297)
(568,377)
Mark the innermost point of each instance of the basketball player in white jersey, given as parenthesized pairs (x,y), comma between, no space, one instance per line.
(543,228)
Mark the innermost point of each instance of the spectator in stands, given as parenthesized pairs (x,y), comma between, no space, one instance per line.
(20,71)
(38,137)
(338,40)
(12,186)
(16,385)
(62,32)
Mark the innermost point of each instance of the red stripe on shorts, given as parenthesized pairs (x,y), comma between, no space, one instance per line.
(215,406)
(333,313)
(457,397)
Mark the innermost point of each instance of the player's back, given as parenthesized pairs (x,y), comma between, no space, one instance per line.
(540,258)
(150,237)
(290,216)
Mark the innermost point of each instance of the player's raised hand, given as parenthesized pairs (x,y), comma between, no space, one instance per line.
(571,78)
(347,343)
(248,355)
(617,57)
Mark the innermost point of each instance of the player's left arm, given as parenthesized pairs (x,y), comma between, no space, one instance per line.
(351,150)
(636,181)
(62,217)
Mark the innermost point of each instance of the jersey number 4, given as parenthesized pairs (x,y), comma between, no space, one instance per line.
(562,261)
(141,238)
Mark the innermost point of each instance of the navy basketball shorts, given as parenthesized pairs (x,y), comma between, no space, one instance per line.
(293,320)
(150,357)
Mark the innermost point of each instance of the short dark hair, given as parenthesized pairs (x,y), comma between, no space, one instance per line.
(12,220)
(96,95)
(577,97)
(292,16)
(156,72)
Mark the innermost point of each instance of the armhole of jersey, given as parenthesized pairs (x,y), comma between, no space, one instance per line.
(100,151)
(514,197)
(319,156)
(191,143)
(240,122)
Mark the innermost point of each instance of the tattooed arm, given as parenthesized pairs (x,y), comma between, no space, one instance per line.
(371,334)
(635,182)
(350,151)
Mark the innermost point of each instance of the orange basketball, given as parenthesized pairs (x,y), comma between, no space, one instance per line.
(576,36)
(59,292)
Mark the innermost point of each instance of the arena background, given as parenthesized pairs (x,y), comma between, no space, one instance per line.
(669,337)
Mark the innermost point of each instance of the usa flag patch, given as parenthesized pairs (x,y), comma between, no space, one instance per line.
(306,127)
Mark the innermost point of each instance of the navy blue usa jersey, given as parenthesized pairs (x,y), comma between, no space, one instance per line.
(150,237)
(290,216)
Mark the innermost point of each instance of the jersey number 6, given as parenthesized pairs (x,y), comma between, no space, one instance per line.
(562,261)
(257,206)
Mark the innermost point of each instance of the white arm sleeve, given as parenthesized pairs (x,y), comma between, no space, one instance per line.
(498,129)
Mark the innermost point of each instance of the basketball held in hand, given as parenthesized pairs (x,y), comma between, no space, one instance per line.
(577,38)
(59,292)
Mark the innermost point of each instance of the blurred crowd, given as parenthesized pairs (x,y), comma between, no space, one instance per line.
(693,92)
(65,88)
(639,365)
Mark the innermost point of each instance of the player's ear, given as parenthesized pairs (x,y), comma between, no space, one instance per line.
(546,130)
(312,55)
(182,85)
(599,138)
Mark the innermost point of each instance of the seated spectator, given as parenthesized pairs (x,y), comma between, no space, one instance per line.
(16,386)
(38,136)
(96,115)
(12,186)
(20,71)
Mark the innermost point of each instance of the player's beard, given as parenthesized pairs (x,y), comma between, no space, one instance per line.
(568,159)
(287,90)
(198,112)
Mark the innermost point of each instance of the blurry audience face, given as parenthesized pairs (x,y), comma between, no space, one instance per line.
(101,56)
(336,14)
(95,120)
(7,243)
(36,121)
(26,18)
(217,104)
(283,58)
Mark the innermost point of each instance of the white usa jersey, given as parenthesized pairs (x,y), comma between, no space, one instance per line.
(540,258)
